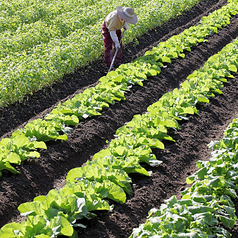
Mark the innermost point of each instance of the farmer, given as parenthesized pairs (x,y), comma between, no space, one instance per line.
(111,31)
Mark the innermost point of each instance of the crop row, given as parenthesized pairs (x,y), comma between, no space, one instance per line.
(24,143)
(206,209)
(42,42)
(106,177)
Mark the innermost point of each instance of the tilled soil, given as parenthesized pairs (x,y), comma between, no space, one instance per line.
(179,159)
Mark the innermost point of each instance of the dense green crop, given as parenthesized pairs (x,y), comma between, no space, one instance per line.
(207,203)
(43,40)
(106,176)
(113,86)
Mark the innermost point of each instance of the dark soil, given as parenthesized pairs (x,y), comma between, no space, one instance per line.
(179,159)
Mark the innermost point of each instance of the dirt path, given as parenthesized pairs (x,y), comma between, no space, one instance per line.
(39,176)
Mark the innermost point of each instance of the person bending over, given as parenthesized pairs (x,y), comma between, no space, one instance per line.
(111,31)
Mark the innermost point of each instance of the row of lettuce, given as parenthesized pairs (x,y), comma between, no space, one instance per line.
(207,208)
(43,40)
(106,177)
(25,142)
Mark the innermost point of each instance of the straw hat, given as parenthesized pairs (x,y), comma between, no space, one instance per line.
(127,14)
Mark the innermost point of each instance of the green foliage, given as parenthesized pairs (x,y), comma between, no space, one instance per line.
(43,130)
(43,40)
(106,178)
(112,87)
(94,172)
(207,203)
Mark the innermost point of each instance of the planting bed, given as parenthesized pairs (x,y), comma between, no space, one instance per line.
(179,159)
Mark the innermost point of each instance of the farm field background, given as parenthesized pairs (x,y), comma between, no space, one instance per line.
(42,41)
(38,176)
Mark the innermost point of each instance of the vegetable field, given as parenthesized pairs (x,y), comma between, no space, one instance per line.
(185,144)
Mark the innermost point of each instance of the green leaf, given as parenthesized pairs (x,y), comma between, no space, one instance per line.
(20,140)
(66,228)
(232,68)
(30,208)
(165,59)
(114,192)
(13,158)
(39,144)
(7,166)
(154,143)
(102,153)
(190,179)
(33,154)
(228,222)
(10,230)
(120,150)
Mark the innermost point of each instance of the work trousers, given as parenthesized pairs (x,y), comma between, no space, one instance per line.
(109,47)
